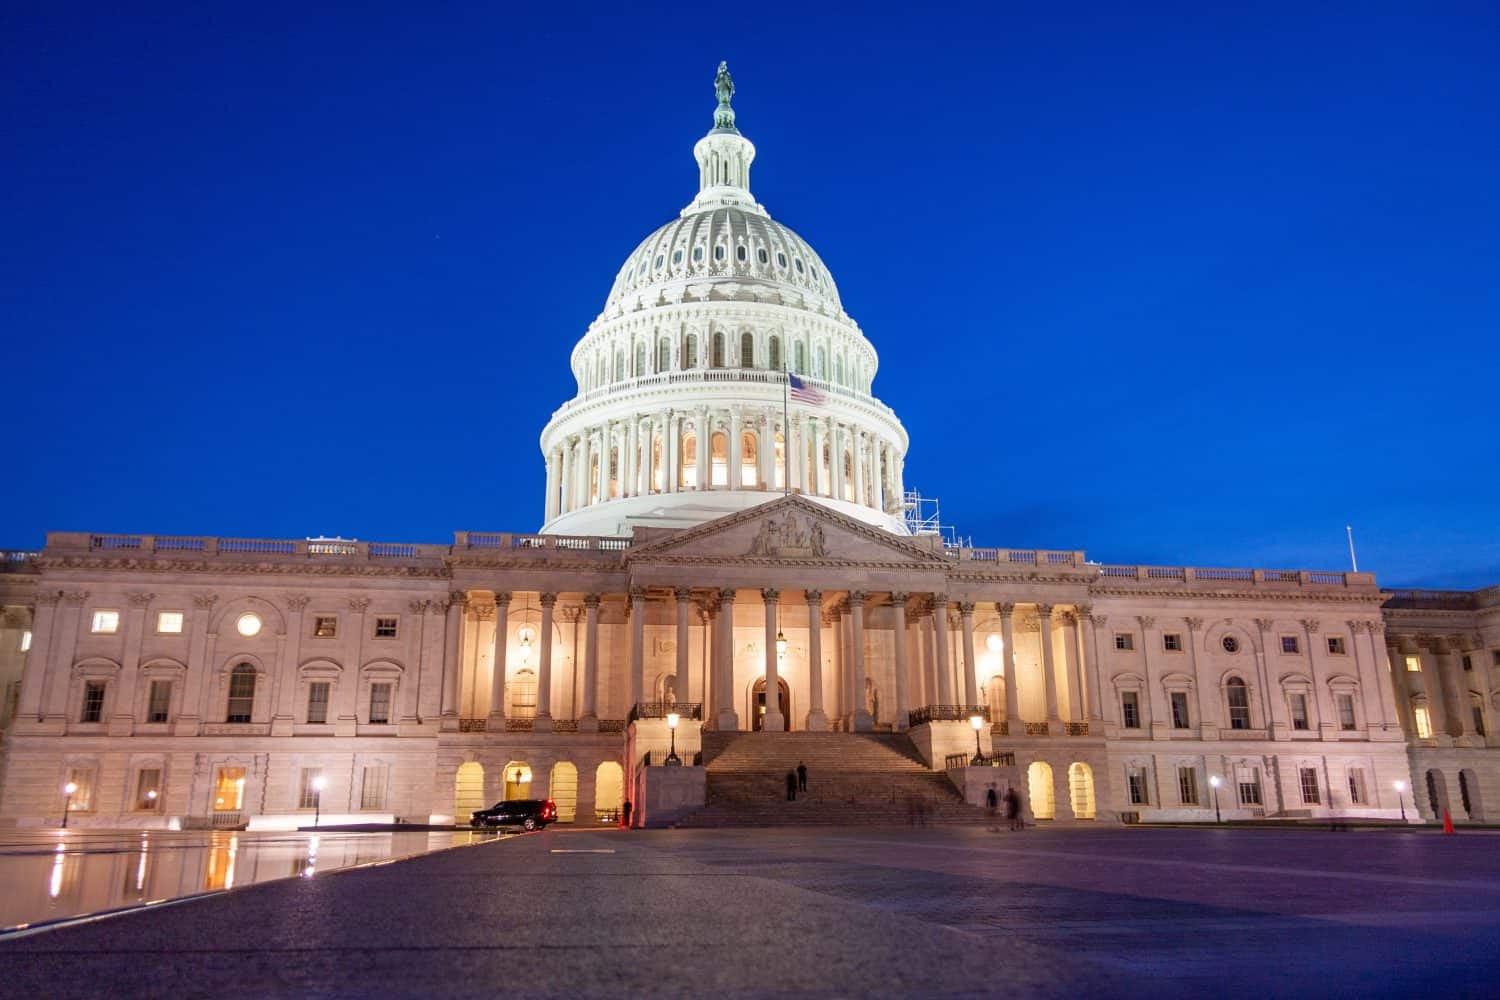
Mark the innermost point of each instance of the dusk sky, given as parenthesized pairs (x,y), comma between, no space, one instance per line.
(1169,285)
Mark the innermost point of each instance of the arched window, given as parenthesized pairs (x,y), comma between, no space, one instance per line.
(719,252)
(820,365)
(594,479)
(1239,703)
(780,462)
(1081,790)
(719,459)
(718,356)
(619,366)
(657,475)
(563,790)
(241,694)
(523,694)
(640,360)
(690,355)
(749,475)
(799,355)
(614,472)
(838,369)
(663,354)
(747,350)
(697,255)
(1039,784)
(609,791)
(687,469)
(773,357)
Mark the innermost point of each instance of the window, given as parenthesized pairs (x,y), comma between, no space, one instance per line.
(372,787)
(663,354)
(26,640)
(1299,711)
(1248,779)
(229,789)
(1171,642)
(523,695)
(1478,710)
(676,257)
(380,704)
(660,260)
(1468,663)
(1309,780)
(148,789)
(1130,709)
(740,254)
(780,259)
(317,701)
(1230,644)
(105,623)
(1187,785)
(1494,655)
(1135,778)
(1289,644)
(82,799)
(690,353)
(747,350)
(773,360)
(716,359)
(1124,640)
(697,255)
(93,702)
(325,627)
(241,693)
(797,263)
(309,792)
(1179,710)
(1357,785)
(159,703)
(1239,704)
(248,624)
(1413,663)
(719,252)
(1423,720)
(1336,646)
(385,628)
(1347,722)
(169,622)
(762,256)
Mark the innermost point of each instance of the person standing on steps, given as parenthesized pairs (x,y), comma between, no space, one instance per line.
(791,786)
(1013,809)
(801,777)
(991,801)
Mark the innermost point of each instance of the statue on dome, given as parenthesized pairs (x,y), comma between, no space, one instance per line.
(724,89)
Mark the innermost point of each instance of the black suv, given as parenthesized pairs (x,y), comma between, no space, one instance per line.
(528,814)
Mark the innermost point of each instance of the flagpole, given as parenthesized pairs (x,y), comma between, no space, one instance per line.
(786,433)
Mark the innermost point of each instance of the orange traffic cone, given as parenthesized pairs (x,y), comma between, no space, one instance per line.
(1447,822)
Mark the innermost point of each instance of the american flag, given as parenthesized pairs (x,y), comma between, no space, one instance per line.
(804,393)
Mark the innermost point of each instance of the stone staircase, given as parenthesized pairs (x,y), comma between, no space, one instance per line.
(853,779)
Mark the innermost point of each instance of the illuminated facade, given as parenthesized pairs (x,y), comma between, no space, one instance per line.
(707,539)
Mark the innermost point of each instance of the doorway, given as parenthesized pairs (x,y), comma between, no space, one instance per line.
(468,790)
(517,780)
(758,704)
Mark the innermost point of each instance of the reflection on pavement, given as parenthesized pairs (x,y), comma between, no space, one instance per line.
(58,874)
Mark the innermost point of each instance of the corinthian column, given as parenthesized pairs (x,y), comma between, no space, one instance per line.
(543,721)
(684,597)
(898,605)
(1049,668)
(496,722)
(1008,658)
(940,634)
(729,720)
(862,721)
(637,646)
(817,719)
(590,663)
(971,668)
(773,721)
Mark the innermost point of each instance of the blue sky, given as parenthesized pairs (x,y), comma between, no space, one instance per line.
(1170,284)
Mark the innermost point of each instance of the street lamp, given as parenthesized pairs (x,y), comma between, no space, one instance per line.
(1399,785)
(977,721)
(1216,781)
(68,790)
(151,799)
(318,784)
(672,759)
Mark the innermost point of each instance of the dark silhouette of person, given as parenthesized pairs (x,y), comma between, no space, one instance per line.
(625,814)
(1013,809)
(791,786)
(801,777)
(991,801)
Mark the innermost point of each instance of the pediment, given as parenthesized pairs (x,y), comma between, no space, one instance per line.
(789,530)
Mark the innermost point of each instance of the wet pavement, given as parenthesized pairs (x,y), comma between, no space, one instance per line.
(56,874)
(828,912)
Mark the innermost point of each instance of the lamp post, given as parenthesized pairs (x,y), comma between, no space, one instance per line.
(68,791)
(318,783)
(151,799)
(780,645)
(977,721)
(1399,785)
(1216,781)
(672,759)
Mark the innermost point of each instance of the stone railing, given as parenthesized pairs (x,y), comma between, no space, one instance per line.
(946,713)
(1035,728)
(1436,600)
(1002,759)
(661,709)
(1254,577)
(712,376)
(522,544)
(1075,728)
(1016,557)
(334,549)
(17,561)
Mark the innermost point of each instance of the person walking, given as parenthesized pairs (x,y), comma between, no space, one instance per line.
(801,777)
(1013,809)
(991,802)
(791,786)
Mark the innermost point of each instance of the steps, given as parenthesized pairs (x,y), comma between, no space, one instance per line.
(854,779)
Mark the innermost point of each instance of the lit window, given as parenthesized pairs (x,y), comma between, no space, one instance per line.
(1130,709)
(148,789)
(1179,710)
(317,701)
(523,695)
(159,704)
(1414,664)
(325,627)
(1136,781)
(1171,642)
(93,702)
(82,799)
(1187,785)
(169,622)
(1424,722)
(26,640)
(385,628)
(1347,722)
(105,622)
(380,704)
(1336,645)
(309,793)
(229,789)
(1289,644)
(1230,644)
(248,624)
(1309,780)
(1124,640)
(1299,711)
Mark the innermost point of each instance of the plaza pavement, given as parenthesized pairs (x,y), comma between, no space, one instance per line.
(899,911)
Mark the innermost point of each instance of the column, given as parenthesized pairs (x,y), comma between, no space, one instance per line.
(903,705)
(860,720)
(1091,623)
(671,452)
(840,686)
(1070,666)
(1273,712)
(648,456)
(282,719)
(684,598)
(736,459)
(971,666)
(815,436)
(121,719)
(590,663)
(857,447)
(543,721)
(1008,660)
(637,646)
(580,476)
(1458,708)
(795,460)
(452,633)
(817,719)
(496,722)
(548,513)
(729,720)
(836,460)
(767,453)
(1376,684)
(773,721)
(924,657)
(940,648)
(705,445)
(1049,671)
(1195,627)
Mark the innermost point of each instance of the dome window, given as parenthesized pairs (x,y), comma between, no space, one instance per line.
(719,252)
(798,262)
(781,260)
(676,257)
(764,257)
(740,254)
(697,255)
(659,261)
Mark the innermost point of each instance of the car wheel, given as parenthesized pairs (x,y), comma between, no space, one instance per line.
(530,824)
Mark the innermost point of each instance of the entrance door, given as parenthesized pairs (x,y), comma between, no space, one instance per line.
(758,713)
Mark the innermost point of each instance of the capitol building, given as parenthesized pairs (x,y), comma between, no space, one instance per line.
(729,578)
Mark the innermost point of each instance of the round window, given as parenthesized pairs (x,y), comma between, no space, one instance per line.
(248,624)
(1231,644)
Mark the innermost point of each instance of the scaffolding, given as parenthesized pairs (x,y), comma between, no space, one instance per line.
(923,517)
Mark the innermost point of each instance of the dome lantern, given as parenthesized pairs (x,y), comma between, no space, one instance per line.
(724,158)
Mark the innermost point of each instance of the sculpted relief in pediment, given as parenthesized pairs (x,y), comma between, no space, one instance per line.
(789,537)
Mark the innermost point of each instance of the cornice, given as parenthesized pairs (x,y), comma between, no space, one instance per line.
(1254,596)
